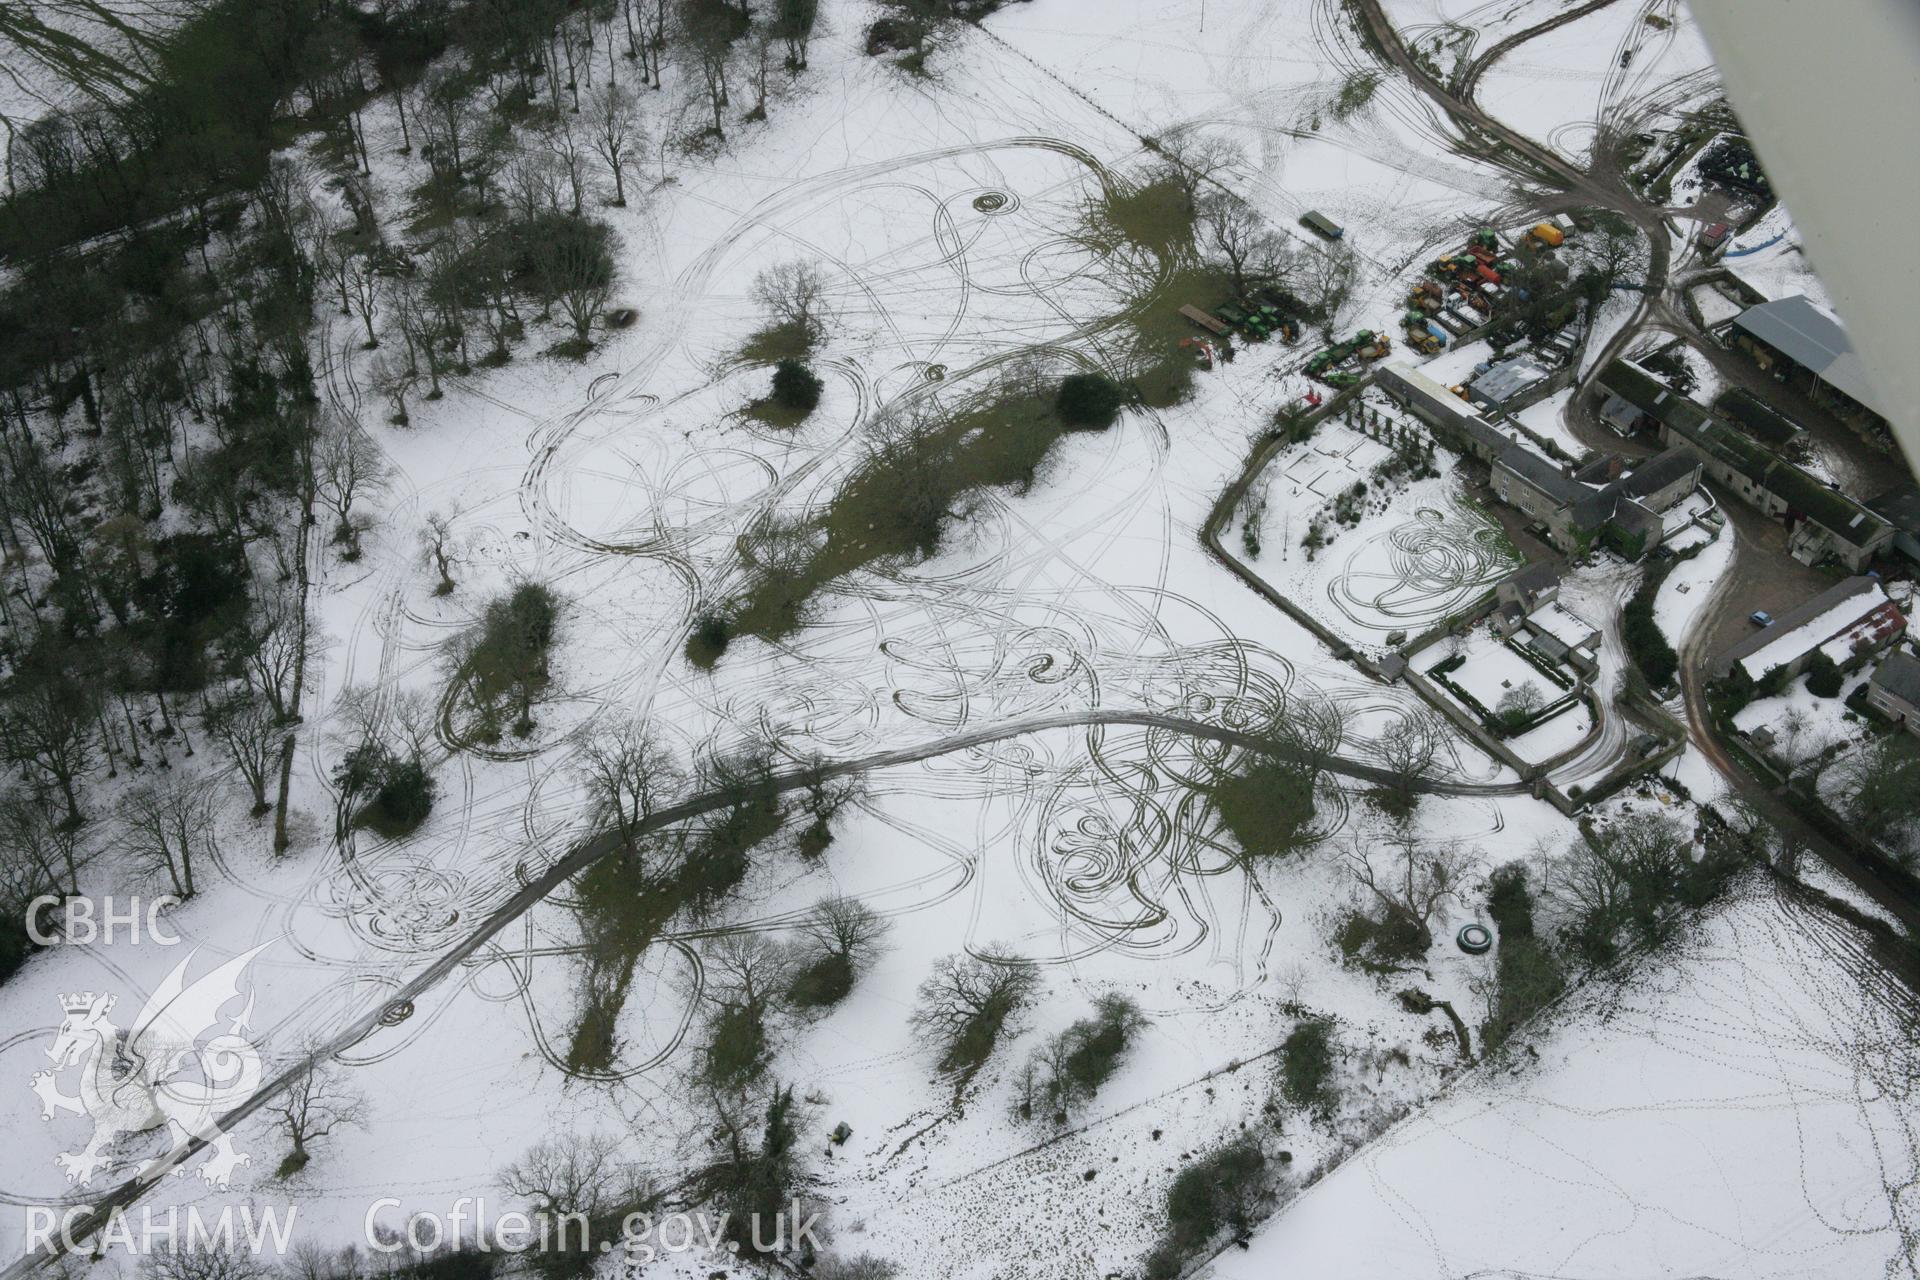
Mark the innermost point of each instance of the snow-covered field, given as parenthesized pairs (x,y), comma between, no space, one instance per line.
(1711,1121)
(1747,1079)
(1626,63)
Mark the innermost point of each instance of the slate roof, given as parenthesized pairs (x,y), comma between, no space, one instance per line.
(1899,675)
(1658,472)
(1844,518)
(1899,507)
(1534,579)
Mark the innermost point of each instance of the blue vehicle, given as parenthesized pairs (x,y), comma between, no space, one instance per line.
(1760,618)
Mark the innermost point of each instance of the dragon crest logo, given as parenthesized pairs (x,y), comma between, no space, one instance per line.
(180,1065)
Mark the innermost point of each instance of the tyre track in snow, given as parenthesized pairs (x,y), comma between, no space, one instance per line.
(592,850)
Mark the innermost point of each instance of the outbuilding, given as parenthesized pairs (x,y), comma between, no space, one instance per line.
(1795,340)
(1321,224)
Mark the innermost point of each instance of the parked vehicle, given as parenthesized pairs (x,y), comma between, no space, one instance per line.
(1760,618)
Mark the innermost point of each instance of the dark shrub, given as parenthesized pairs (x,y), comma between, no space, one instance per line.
(827,981)
(1389,942)
(1823,675)
(1530,976)
(1218,1191)
(891,35)
(15,945)
(815,838)
(406,795)
(1645,641)
(1269,806)
(402,790)
(711,635)
(1306,1064)
(795,386)
(1084,1056)
(1088,400)
(736,1045)
(1510,902)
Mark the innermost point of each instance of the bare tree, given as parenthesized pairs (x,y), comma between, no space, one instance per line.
(347,464)
(441,548)
(395,380)
(536,183)
(966,1002)
(743,969)
(848,927)
(578,1177)
(1328,277)
(793,23)
(413,720)
(271,647)
(37,854)
(1409,882)
(743,975)
(1519,704)
(628,773)
(1880,787)
(839,939)
(655,29)
(567,139)
(167,826)
(707,32)
(1253,253)
(613,125)
(246,726)
(1408,749)
(761,60)
(311,1260)
(314,1105)
(404,722)
(48,719)
(1625,874)
(1313,728)
(576,270)
(363,286)
(864,1267)
(793,295)
(203,1259)
(1193,162)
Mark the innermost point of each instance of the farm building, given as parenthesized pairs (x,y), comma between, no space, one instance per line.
(1900,507)
(1849,621)
(1821,521)
(1795,340)
(1322,224)
(1520,593)
(1564,636)
(1623,510)
(1505,381)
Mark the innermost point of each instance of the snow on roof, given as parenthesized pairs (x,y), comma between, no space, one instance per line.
(1789,639)
(1564,625)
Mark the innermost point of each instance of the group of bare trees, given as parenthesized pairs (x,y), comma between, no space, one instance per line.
(1255,256)
(158,468)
